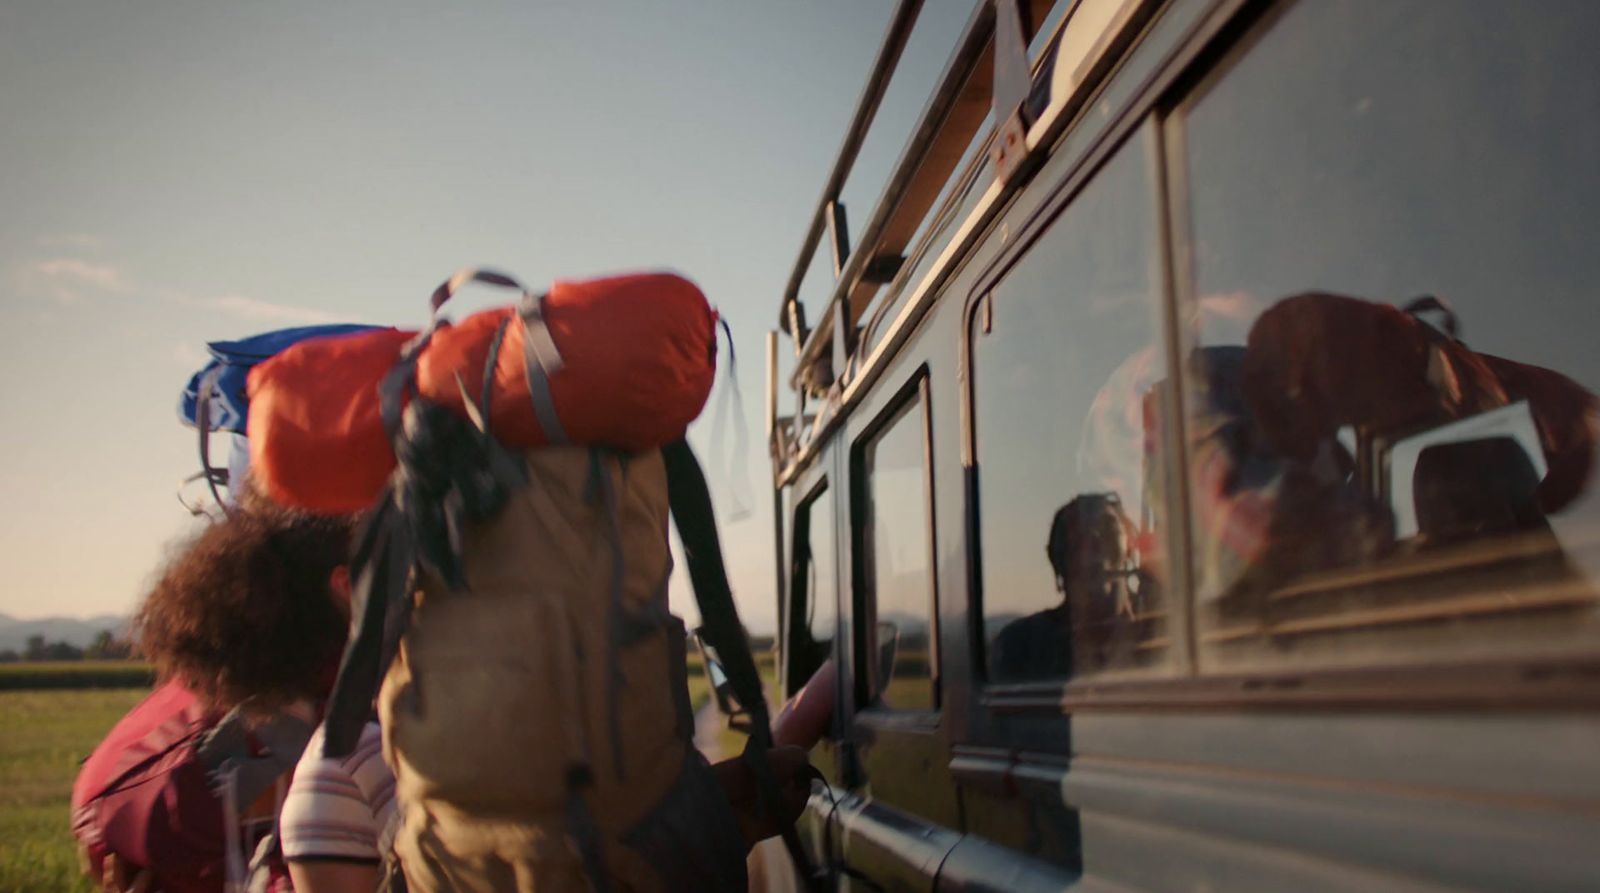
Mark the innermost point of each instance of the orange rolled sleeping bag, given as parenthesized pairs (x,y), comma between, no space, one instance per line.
(635,359)
(637,353)
(317,440)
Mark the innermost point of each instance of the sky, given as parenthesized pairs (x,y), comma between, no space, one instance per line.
(174,173)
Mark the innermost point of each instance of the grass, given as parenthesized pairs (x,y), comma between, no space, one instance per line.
(76,675)
(909,694)
(44,735)
(730,743)
(700,686)
(46,730)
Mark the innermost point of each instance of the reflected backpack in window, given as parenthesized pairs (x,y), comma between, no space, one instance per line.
(1315,363)
(170,790)
(1567,417)
(1261,515)
(1275,489)
(1318,362)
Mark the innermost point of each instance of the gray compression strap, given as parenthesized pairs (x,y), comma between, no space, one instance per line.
(490,363)
(226,747)
(202,421)
(465,275)
(540,360)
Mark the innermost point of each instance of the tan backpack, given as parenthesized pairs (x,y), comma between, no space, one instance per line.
(546,705)
(534,700)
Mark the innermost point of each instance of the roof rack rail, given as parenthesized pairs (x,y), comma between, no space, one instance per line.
(901,23)
(976,80)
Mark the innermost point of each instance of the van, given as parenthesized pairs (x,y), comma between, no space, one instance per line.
(1190,470)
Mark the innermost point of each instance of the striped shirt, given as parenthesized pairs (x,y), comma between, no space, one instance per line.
(339,809)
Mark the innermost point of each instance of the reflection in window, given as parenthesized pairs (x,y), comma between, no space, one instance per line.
(1364,181)
(1068,379)
(898,538)
(816,609)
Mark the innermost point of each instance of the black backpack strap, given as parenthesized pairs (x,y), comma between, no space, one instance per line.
(448,472)
(381,568)
(690,501)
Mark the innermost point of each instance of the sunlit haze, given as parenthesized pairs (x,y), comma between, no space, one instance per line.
(177,173)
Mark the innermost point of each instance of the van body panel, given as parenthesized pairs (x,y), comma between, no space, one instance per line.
(1340,732)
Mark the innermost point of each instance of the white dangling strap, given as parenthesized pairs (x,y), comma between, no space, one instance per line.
(732,459)
(237,872)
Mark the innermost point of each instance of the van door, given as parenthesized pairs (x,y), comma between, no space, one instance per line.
(899,816)
(1067,369)
(809,621)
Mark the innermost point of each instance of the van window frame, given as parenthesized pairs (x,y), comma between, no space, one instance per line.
(913,394)
(1142,123)
(1437,669)
(797,625)
(1176,600)
(1207,51)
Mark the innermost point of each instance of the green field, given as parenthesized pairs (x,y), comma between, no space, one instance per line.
(48,725)
(728,742)
(76,675)
(44,735)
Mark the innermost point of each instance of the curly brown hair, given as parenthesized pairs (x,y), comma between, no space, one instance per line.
(244,613)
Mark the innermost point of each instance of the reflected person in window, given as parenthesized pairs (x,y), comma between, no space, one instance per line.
(1090,551)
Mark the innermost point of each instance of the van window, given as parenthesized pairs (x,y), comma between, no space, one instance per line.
(815,613)
(895,542)
(1363,182)
(1068,373)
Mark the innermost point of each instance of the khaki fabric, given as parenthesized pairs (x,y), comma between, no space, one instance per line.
(450,851)
(499,691)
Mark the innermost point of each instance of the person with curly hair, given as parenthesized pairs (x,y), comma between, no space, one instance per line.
(254,615)
(253,612)
(245,626)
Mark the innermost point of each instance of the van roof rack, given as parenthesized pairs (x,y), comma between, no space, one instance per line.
(991,96)
(991,51)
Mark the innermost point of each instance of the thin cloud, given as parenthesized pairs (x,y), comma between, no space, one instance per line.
(67,276)
(255,310)
(69,280)
(70,240)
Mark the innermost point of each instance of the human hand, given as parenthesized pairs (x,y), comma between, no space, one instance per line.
(791,768)
(116,876)
(805,719)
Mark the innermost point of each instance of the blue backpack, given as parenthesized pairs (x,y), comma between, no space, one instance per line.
(216,399)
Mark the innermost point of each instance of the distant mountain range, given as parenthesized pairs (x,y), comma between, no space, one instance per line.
(76,631)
